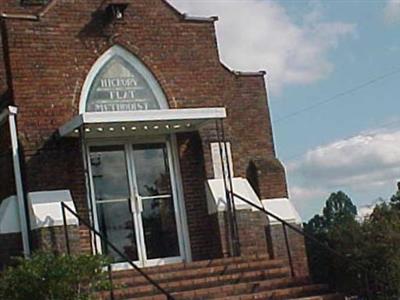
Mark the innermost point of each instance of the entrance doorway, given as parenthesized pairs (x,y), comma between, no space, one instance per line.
(135,202)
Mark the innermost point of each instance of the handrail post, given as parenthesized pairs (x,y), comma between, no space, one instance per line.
(229,200)
(110,278)
(66,236)
(289,252)
(236,241)
(363,276)
(122,255)
(367,287)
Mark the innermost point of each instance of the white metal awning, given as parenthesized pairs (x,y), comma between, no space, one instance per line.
(216,197)
(283,208)
(125,123)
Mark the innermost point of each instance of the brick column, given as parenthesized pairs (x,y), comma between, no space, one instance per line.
(296,245)
(53,239)
(10,246)
(251,230)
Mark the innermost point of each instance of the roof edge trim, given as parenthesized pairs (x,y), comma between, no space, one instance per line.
(189,18)
(257,73)
(241,73)
(28,17)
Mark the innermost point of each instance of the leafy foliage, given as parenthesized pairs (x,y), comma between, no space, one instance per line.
(338,229)
(395,200)
(382,231)
(371,244)
(49,277)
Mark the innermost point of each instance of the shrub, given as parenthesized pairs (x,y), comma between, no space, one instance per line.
(47,276)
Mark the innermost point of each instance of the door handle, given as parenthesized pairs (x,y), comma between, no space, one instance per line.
(139,203)
(132,206)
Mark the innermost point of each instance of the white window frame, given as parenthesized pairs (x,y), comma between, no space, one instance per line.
(179,203)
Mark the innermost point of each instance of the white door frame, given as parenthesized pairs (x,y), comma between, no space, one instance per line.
(177,192)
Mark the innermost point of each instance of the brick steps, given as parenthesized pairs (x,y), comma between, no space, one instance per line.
(239,278)
(193,265)
(192,273)
(224,291)
(282,293)
(322,297)
(205,281)
(238,289)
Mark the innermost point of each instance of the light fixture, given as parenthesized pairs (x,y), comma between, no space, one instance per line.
(177,126)
(87,129)
(111,129)
(133,128)
(156,127)
(123,128)
(116,11)
(100,129)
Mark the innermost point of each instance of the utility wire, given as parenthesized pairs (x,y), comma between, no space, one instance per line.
(339,95)
(346,138)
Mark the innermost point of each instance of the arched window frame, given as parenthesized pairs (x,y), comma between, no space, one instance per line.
(135,62)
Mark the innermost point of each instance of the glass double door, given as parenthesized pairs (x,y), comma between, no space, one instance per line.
(135,202)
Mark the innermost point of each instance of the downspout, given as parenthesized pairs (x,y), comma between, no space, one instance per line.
(11,113)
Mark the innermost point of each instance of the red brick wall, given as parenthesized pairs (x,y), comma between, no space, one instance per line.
(10,247)
(3,83)
(51,58)
(53,239)
(296,246)
(251,233)
(200,223)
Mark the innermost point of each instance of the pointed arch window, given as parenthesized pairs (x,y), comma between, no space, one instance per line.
(121,82)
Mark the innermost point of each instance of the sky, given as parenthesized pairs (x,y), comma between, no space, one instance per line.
(333,77)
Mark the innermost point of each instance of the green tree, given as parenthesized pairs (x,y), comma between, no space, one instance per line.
(338,229)
(382,252)
(338,209)
(395,200)
(371,245)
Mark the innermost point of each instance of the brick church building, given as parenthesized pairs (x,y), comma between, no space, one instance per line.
(123,111)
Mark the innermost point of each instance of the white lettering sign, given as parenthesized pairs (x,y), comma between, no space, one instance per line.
(120,87)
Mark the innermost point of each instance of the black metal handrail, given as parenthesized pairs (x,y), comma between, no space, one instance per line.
(65,207)
(313,239)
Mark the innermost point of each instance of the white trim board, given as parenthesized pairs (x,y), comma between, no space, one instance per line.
(196,116)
